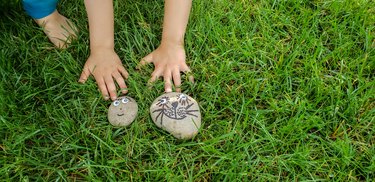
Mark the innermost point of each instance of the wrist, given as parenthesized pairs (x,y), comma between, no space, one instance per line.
(97,49)
(172,42)
(100,43)
(173,38)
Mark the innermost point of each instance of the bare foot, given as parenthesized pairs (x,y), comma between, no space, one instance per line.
(58,29)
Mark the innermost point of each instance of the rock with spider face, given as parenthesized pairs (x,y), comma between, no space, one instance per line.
(122,111)
(176,113)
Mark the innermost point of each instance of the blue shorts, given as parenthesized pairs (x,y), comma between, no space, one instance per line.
(39,8)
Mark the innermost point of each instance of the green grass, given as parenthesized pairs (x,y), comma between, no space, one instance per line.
(286,90)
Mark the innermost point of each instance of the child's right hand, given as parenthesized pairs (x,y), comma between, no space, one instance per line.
(106,67)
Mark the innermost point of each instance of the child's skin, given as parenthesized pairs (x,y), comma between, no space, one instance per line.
(58,29)
(105,65)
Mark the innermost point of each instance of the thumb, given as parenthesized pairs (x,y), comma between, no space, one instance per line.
(146,60)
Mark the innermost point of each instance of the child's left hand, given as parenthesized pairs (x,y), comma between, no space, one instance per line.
(169,61)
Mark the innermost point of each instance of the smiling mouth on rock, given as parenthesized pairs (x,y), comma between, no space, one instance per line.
(120,114)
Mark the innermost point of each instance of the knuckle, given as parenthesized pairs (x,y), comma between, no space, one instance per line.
(154,74)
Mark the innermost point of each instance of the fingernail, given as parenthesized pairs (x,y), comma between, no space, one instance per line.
(124,90)
(168,90)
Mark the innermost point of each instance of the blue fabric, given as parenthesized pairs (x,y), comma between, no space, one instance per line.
(39,8)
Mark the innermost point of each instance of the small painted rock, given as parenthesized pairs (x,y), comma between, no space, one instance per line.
(177,113)
(122,111)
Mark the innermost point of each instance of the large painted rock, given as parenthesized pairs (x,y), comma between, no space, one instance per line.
(176,113)
(122,111)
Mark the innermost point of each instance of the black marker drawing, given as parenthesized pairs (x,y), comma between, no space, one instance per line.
(175,110)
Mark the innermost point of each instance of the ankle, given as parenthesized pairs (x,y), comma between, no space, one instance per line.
(52,17)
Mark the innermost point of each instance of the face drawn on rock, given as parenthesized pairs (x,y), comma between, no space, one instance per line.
(119,106)
(122,111)
(176,110)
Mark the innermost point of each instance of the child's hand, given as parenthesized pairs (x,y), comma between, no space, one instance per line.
(169,61)
(106,67)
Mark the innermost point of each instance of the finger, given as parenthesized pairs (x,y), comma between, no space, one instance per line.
(84,75)
(111,87)
(146,60)
(186,70)
(167,81)
(102,88)
(123,72)
(155,76)
(177,80)
(191,78)
(121,82)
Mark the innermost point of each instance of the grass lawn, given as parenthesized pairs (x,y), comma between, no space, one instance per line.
(286,90)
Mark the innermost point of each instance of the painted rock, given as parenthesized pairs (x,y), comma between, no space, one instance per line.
(176,113)
(122,111)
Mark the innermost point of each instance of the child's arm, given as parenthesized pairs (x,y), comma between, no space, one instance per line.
(169,57)
(103,63)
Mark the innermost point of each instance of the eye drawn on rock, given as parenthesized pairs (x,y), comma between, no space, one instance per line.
(163,101)
(124,100)
(116,103)
(183,99)
(175,110)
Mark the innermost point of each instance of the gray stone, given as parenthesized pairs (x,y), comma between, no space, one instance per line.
(122,111)
(176,113)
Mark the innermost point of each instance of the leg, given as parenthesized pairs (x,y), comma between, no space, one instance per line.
(58,29)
